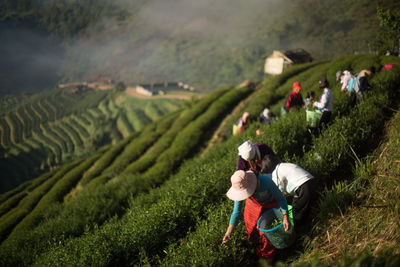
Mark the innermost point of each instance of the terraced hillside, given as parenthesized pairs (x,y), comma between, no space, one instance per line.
(45,130)
(150,199)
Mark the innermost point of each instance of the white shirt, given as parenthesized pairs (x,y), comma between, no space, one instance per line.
(289,177)
(325,103)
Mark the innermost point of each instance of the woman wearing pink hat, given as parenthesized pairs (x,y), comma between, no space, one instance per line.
(261,194)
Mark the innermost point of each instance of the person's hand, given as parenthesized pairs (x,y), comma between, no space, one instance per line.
(286,222)
(226,239)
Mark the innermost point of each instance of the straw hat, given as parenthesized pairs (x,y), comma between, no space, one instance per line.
(247,150)
(244,185)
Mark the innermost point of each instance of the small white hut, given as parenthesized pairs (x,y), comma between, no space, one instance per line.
(143,91)
(279,60)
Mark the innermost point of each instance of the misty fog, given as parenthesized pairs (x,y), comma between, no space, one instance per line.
(206,43)
(30,59)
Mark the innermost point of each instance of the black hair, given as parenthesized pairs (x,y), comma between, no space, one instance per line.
(371,69)
(309,94)
(269,163)
(323,83)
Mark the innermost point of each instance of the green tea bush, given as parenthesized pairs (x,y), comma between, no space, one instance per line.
(12,192)
(26,122)
(74,135)
(50,139)
(43,112)
(5,133)
(15,128)
(190,201)
(64,136)
(106,159)
(169,135)
(11,219)
(137,147)
(21,191)
(55,194)
(94,202)
(80,129)
(35,120)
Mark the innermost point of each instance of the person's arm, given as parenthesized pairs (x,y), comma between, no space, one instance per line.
(289,101)
(323,102)
(233,222)
(227,237)
(278,195)
(241,164)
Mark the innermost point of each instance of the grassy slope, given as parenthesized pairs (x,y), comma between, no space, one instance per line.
(369,224)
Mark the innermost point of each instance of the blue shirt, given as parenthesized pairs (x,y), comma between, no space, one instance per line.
(266,192)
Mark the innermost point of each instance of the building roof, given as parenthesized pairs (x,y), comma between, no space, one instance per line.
(298,55)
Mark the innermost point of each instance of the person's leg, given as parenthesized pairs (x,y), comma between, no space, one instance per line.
(302,200)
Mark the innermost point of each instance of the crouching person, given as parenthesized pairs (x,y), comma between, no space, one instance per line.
(260,194)
(295,181)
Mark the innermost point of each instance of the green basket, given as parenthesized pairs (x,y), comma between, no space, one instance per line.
(277,235)
(283,112)
(313,117)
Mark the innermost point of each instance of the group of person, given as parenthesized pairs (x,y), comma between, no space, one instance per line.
(357,85)
(294,101)
(260,183)
(261,180)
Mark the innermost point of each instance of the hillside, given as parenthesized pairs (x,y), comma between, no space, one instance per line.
(209,44)
(42,131)
(151,199)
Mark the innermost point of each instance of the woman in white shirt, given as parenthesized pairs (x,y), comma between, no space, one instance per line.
(294,181)
(325,102)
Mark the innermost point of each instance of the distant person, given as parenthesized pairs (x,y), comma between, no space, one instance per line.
(326,101)
(294,99)
(309,100)
(251,155)
(363,85)
(243,123)
(261,194)
(344,78)
(266,116)
(293,180)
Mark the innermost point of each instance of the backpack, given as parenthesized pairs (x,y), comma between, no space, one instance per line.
(351,84)
(356,83)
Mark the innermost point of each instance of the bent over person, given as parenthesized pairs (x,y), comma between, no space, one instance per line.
(294,181)
(251,155)
(260,194)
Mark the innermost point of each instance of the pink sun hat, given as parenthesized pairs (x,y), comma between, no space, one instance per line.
(244,185)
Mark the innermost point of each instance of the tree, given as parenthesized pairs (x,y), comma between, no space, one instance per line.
(120,86)
(389,23)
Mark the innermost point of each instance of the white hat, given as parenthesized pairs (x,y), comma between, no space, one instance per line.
(244,184)
(266,113)
(247,150)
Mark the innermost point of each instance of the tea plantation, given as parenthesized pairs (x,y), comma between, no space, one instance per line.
(155,197)
(48,129)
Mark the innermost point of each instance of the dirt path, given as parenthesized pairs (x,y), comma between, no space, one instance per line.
(131,91)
